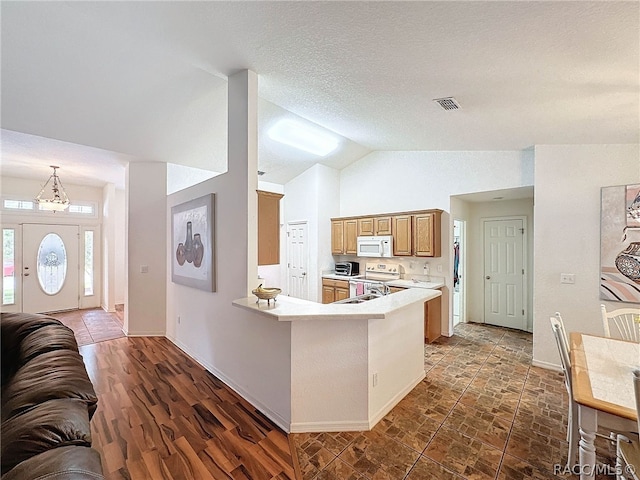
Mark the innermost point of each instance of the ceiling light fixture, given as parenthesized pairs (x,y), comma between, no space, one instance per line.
(59,200)
(303,137)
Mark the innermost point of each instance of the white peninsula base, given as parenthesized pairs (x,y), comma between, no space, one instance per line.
(350,364)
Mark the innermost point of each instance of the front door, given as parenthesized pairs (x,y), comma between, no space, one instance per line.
(504,273)
(297,260)
(50,272)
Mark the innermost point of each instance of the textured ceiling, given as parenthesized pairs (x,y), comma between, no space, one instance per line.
(148,79)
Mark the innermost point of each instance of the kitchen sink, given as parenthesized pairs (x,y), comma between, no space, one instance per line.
(359,298)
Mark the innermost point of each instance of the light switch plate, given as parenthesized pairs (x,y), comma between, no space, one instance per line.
(144,268)
(567,278)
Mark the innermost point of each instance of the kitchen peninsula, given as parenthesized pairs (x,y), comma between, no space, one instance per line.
(350,364)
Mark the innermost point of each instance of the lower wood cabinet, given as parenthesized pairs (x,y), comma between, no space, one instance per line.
(334,290)
(432,319)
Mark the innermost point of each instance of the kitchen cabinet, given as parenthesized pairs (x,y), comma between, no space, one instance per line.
(369,226)
(426,234)
(351,237)
(432,319)
(344,236)
(337,237)
(366,227)
(268,228)
(402,238)
(334,290)
(396,289)
(382,225)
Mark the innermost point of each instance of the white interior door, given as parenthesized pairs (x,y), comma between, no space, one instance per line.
(50,268)
(504,273)
(297,261)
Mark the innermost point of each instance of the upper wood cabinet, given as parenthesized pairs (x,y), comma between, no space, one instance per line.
(415,233)
(366,227)
(344,236)
(402,237)
(382,225)
(351,237)
(369,226)
(268,228)
(337,237)
(426,234)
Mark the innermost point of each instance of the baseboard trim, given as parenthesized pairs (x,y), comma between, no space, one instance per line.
(346,426)
(273,416)
(546,365)
(380,414)
(144,334)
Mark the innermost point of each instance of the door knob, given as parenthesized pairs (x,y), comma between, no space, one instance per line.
(304,273)
(488,277)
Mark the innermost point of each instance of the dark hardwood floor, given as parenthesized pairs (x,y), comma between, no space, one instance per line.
(162,416)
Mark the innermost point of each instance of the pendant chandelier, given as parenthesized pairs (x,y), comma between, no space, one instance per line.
(58,200)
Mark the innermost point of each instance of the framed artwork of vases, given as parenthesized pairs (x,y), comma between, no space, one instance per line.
(192,243)
(620,243)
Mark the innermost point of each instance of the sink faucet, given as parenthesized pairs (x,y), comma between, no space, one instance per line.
(381,289)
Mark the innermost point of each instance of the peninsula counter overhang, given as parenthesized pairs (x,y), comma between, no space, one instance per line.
(288,309)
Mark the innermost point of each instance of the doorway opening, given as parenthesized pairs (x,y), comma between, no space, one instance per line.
(459,258)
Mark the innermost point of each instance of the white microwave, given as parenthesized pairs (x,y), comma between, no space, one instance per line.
(379,246)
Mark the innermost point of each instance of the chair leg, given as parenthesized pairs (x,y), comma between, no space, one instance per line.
(573,434)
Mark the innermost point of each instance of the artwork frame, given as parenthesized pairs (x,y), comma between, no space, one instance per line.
(193,258)
(620,243)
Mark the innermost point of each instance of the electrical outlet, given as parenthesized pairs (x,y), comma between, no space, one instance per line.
(144,268)
(375,379)
(567,278)
(439,268)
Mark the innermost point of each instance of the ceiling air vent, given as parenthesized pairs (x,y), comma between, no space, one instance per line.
(447,103)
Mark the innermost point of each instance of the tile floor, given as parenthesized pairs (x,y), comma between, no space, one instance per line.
(482,412)
(91,325)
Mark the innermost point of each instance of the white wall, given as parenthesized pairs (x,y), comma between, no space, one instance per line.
(246,351)
(146,234)
(313,196)
(120,253)
(478,211)
(567,234)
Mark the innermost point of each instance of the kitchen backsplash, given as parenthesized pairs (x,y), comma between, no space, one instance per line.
(412,268)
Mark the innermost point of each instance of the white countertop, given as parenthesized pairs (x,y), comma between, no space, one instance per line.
(287,309)
(333,276)
(412,284)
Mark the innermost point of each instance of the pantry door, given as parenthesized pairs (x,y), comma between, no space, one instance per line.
(504,273)
(50,268)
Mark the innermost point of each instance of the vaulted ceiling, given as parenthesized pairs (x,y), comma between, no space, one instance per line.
(98,84)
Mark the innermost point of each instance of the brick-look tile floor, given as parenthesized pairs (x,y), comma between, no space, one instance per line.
(482,412)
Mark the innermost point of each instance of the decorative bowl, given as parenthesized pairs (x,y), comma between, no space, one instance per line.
(266,294)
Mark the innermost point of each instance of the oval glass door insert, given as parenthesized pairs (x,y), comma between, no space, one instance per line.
(52,264)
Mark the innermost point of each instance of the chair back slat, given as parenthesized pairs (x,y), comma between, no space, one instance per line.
(622,323)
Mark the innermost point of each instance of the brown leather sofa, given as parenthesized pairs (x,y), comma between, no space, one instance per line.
(46,403)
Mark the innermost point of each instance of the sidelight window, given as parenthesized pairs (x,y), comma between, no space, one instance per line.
(8,263)
(88,262)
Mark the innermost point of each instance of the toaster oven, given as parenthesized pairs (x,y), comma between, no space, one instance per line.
(347,268)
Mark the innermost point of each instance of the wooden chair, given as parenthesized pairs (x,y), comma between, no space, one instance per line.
(624,323)
(573,434)
(628,445)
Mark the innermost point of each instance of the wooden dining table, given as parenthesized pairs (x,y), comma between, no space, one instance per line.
(602,374)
